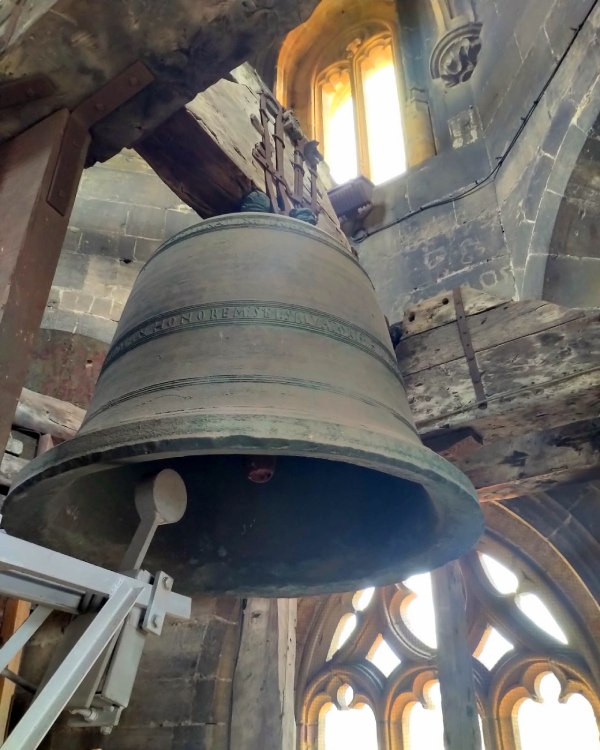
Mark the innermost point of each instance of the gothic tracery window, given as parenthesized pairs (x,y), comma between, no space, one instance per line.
(342,74)
(376,686)
(357,112)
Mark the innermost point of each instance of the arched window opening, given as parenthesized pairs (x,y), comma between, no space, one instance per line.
(341,729)
(554,723)
(424,725)
(380,692)
(344,630)
(362,599)
(383,656)
(532,606)
(492,647)
(417,609)
(358,112)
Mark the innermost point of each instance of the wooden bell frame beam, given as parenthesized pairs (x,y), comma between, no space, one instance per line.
(40,171)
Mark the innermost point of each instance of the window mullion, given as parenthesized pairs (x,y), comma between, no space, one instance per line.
(360,118)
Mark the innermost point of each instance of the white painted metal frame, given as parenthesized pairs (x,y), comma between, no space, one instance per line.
(56,581)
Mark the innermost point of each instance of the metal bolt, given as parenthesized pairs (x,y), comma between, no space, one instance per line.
(155,621)
(166,582)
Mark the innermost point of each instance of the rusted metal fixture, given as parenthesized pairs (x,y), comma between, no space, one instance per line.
(248,339)
(274,123)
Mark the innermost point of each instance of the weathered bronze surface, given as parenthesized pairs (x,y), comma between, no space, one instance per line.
(246,337)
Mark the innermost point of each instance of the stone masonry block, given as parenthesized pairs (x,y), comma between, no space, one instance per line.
(101,307)
(146,221)
(76,301)
(95,242)
(128,187)
(101,215)
(71,271)
(145,249)
(177,221)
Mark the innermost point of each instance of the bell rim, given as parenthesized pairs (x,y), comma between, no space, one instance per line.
(451,492)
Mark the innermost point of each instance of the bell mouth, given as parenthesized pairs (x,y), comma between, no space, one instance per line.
(333,517)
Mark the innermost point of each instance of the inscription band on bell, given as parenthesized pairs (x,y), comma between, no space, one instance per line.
(250,312)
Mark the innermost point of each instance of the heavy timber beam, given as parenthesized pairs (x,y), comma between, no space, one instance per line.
(32,234)
(537,461)
(204,151)
(263,681)
(455,663)
(40,171)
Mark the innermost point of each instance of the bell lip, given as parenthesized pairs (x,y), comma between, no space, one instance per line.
(453,495)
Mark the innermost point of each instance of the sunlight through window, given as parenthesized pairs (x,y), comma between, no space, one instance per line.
(492,648)
(501,578)
(348,729)
(362,599)
(419,613)
(384,122)
(361,119)
(532,606)
(553,725)
(343,631)
(425,724)
(383,657)
(339,134)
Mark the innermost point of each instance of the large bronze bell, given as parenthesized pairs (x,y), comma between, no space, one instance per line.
(253,359)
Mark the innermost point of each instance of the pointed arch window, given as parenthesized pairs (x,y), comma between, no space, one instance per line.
(372,680)
(357,112)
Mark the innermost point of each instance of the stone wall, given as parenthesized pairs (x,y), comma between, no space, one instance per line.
(496,228)
(182,695)
(122,213)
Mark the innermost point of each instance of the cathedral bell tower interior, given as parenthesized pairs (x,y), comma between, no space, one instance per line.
(300,375)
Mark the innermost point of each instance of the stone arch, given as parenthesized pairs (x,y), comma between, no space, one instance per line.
(565,121)
(572,275)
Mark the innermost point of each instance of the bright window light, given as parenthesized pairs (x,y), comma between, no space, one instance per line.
(553,725)
(384,124)
(343,631)
(419,613)
(492,648)
(383,657)
(353,729)
(532,606)
(501,578)
(362,599)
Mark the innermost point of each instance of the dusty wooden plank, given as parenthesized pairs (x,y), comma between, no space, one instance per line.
(510,321)
(454,660)
(550,405)
(564,351)
(45,414)
(15,613)
(536,461)
(439,310)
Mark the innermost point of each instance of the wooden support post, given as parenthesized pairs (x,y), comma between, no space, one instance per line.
(454,660)
(32,232)
(263,681)
(15,613)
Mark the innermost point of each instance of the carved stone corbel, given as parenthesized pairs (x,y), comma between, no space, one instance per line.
(456,52)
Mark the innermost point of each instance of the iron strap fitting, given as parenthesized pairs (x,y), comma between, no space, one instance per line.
(467,345)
